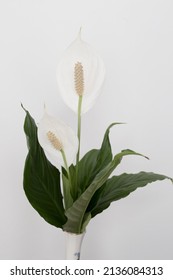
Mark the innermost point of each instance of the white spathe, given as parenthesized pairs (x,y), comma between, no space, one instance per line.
(94,74)
(64,134)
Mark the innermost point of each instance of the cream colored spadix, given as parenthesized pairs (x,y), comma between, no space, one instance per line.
(80,71)
(54,141)
(57,139)
(79,79)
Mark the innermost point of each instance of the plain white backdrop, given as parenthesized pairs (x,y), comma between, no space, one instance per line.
(134,38)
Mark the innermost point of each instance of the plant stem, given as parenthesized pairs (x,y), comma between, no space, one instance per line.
(79,138)
(79,128)
(67,188)
(65,163)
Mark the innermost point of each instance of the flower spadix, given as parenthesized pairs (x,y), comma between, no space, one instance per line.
(58,141)
(80,72)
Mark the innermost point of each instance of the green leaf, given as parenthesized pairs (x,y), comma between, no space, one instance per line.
(93,162)
(87,218)
(41,179)
(76,213)
(119,187)
(86,170)
(105,152)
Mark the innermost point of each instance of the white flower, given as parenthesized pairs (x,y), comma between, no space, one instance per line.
(80,71)
(58,141)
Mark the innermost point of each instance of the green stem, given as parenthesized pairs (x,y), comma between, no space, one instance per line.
(79,128)
(65,163)
(67,188)
(79,138)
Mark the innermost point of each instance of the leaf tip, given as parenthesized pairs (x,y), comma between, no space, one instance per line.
(23,107)
(147,157)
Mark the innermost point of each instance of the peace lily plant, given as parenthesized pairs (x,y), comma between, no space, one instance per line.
(66,190)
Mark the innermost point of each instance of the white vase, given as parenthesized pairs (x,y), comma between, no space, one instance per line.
(73,245)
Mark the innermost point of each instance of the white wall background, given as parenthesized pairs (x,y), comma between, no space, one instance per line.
(135,41)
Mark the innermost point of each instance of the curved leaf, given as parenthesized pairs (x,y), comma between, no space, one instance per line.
(41,179)
(76,213)
(93,162)
(119,187)
(105,152)
(86,170)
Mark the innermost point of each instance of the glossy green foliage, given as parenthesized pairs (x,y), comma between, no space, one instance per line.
(77,212)
(119,187)
(90,189)
(41,179)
